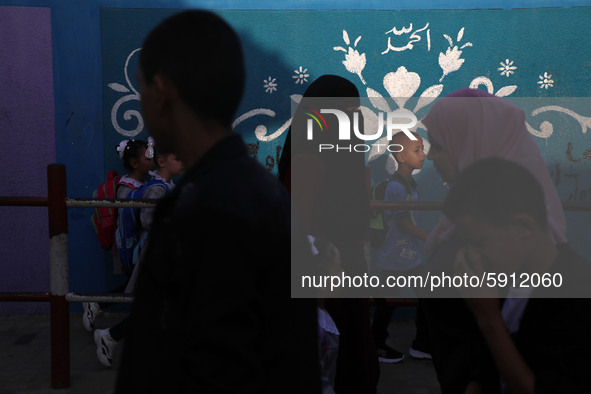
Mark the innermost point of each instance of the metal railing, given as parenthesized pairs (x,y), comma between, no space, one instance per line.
(59,294)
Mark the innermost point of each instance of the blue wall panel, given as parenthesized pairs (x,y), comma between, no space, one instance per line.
(534,49)
(535,54)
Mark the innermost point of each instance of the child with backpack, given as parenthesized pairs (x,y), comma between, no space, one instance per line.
(137,159)
(134,223)
(133,153)
(168,166)
(400,249)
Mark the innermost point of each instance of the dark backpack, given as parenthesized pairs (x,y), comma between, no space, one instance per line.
(377,227)
(104,220)
(129,228)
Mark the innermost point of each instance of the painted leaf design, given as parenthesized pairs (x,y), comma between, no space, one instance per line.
(506,91)
(378,100)
(356,41)
(377,150)
(430,94)
(118,87)
(392,165)
(420,125)
(346,37)
(460,34)
(448,38)
(370,121)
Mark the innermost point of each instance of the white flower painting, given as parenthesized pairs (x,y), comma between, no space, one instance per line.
(507,68)
(354,62)
(451,60)
(546,81)
(270,85)
(301,75)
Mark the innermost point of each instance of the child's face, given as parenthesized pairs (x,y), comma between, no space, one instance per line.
(499,247)
(143,164)
(172,164)
(414,154)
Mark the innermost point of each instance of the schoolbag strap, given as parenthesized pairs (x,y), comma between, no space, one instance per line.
(400,179)
(390,221)
(408,189)
(378,221)
(404,182)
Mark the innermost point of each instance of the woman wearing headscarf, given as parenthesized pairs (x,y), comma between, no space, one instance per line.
(465,126)
(328,190)
(470,124)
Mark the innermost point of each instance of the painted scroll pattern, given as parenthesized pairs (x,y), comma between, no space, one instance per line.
(131,95)
(400,84)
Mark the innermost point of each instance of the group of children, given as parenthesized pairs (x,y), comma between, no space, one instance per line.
(150,176)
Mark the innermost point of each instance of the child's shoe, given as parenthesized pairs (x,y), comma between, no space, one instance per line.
(91,310)
(389,356)
(420,351)
(105,346)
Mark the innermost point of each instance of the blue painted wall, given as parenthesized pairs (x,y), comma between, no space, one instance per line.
(541,51)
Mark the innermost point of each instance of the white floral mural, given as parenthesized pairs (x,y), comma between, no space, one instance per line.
(399,61)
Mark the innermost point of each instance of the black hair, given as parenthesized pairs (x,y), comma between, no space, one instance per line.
(202,56)
(325,86)
(494,190)
(131,151)
(158,154)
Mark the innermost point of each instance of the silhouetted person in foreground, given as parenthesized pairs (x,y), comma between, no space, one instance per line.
(465,126)
(212,311)
(329,193)
(537,336)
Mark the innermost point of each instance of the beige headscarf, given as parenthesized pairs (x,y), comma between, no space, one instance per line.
(471,124)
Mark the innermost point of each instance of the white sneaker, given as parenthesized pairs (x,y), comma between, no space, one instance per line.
(419,355)
(91,310)
(105,346)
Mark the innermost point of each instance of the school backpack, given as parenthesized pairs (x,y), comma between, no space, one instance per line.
(377,227)
(129,229)
(104,220)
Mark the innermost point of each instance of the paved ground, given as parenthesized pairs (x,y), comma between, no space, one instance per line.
(25,359)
